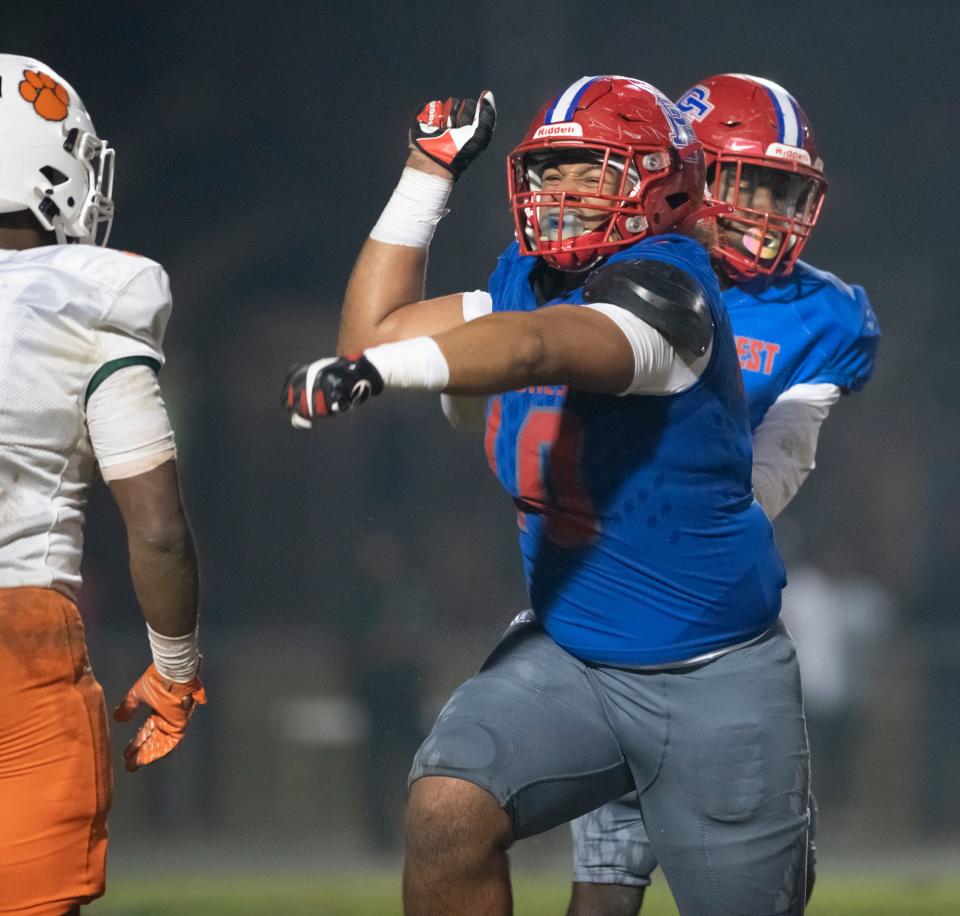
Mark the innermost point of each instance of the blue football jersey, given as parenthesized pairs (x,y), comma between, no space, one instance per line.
(805,328)
(640,538)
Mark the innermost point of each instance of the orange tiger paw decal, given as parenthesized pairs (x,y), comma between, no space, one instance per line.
(49,99)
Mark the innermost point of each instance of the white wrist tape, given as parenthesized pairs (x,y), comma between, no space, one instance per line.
(414,363)
(411,215)
(175,657)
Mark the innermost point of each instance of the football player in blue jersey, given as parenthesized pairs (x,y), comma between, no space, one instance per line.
(654,660)
(803,338)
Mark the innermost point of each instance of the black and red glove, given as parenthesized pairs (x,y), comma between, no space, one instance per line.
(328,387)
(453,132)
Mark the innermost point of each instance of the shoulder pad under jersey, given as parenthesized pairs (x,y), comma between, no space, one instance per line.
(664,296)
(107,290)
(838,316)
(107,267)
(141,308)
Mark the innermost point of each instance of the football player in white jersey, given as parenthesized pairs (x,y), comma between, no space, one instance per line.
(81,336)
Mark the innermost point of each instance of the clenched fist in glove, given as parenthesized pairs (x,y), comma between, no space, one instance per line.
(453,132)
(329,386)
(171,705)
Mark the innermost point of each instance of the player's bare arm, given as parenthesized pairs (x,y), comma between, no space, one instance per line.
(163,562)
(562,345)
(163,565)
(385,296)
(384,300)
(621,340)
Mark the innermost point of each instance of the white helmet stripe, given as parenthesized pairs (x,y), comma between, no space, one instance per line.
(565,105)
(785,107)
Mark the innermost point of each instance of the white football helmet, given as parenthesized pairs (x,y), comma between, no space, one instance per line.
(51,160)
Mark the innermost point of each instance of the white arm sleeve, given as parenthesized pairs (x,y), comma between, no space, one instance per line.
(785,443)
(464,411)
(128,424)
(476,304)
(658,367)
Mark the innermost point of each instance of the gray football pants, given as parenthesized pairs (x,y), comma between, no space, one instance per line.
(717,754)
(611,846)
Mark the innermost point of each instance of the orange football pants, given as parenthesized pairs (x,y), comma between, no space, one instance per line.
(55,779)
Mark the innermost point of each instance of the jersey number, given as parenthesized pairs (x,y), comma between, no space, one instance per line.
(549,481)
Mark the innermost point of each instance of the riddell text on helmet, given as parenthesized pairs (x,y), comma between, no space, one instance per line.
(571,129)
(794,153)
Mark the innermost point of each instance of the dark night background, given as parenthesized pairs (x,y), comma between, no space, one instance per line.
(353,576)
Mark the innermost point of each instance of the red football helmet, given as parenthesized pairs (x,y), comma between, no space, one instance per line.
(762,159)
(648,166)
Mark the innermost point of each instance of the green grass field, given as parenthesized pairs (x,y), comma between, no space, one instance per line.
(378,895)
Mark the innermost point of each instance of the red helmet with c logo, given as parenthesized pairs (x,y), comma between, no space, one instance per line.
(762,159)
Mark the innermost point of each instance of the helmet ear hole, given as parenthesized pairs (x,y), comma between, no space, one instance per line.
(678,199)
(54,176)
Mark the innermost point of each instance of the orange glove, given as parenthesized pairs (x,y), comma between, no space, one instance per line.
(171,706)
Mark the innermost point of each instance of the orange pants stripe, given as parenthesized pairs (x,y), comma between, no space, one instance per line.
(55,779)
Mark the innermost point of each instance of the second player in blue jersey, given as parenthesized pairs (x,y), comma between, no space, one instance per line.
(803,339)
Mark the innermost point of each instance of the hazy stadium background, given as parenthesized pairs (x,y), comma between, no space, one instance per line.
(352,577)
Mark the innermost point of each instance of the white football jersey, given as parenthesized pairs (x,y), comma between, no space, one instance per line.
(66,311)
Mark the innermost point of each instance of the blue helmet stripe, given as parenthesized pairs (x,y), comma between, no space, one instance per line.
(779,112)
(789,121)
(566,103)
(788,112)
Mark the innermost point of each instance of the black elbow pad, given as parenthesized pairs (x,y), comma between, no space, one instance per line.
(665,297)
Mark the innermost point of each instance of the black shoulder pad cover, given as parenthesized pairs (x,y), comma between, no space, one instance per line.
(664,296)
